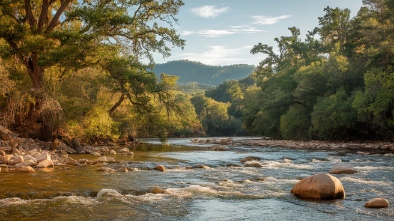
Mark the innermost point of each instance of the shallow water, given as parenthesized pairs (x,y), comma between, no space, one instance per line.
(222,190)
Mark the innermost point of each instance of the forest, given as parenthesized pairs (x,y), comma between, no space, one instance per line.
(74,68)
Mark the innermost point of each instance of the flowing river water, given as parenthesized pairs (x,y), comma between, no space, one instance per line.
(200,184)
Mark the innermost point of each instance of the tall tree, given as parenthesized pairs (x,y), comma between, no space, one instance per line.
(72,34)
(334,27)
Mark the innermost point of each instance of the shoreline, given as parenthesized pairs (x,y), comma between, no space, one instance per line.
(320,145)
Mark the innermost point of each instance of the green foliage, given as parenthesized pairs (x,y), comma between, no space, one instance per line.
(375,106)
(214,117)
(333,117)
(337,87)
(50,36)
(294,125)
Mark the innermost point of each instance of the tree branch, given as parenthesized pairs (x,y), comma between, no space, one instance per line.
(43,15)
(15,47)
(29,14)
(117,104)
(55,19)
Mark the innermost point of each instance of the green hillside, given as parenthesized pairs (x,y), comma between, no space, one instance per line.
(191,71)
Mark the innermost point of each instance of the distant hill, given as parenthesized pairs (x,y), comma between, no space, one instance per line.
(191,71)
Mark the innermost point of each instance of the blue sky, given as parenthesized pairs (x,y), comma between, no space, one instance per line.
(222,32)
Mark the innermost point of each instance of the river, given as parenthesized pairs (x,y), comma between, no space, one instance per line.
(200,184)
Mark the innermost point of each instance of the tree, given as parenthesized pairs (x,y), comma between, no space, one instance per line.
(295,124)
(70,34)
(375,106)
(334,27)
(334,117)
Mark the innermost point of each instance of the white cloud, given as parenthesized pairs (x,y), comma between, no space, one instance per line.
(221,55)
(214,33)
(244,29)
(209,11)
(267,20)
(187,32)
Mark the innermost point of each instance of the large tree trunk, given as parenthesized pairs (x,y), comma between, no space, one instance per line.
(36,74)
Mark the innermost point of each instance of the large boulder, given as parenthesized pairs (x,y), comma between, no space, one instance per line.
(342,169)
(41,156)
(377,203)
(15,159)
(319,186)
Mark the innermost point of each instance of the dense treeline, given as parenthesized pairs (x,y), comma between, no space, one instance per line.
(338,83)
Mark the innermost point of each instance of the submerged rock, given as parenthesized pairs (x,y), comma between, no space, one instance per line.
(319,186)
(342,169)
(160,168)
(124,150)
(156,190)
(26,169)
(250,158)
(45,163)
(219,148)
(122,169)
(107,192)
(253,163)
(105,169)
(377,203)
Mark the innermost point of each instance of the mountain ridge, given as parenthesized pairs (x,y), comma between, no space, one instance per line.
(193,71)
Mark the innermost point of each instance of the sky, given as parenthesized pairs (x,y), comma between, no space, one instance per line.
(222,32)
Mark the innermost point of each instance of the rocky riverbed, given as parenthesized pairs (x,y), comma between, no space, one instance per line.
(25,154)
(239,172)
(317,145)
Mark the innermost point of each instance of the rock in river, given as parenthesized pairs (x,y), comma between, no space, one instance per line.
(27,169)
(319,186)
(342,169)
(160,168)
(377,203)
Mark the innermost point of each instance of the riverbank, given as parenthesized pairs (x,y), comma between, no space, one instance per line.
(314,145)
(321,145)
